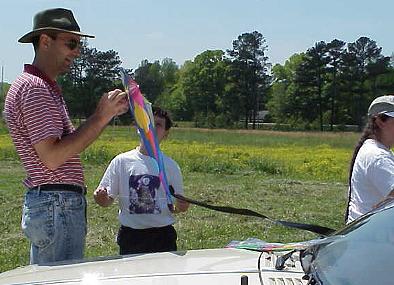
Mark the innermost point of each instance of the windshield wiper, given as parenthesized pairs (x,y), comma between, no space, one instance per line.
(281,260)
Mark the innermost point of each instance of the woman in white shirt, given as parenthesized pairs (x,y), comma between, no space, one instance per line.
(371,176)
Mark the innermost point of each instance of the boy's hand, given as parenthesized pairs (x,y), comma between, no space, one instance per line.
(181,206)
(102,198)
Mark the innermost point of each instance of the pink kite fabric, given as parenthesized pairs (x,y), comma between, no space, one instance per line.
(143,115)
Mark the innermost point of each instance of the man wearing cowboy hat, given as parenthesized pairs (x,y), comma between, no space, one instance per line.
(54,212)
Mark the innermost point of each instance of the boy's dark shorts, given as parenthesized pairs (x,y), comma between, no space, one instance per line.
(149,240)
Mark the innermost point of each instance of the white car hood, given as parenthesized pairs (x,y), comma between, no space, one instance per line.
(208,266)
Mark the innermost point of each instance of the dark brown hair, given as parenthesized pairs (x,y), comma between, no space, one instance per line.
(157,111)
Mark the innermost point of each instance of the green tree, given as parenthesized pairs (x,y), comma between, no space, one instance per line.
(335,51)
(374,70)
(150,79)
(172,97)
(250,73)
(203,83)
(362,57)
(385,82)
(179,106)
(281,103)
(169,69)
(310,79)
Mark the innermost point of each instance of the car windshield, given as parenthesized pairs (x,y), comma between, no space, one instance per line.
(362,253)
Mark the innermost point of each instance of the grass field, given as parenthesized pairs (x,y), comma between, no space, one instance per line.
(289,176)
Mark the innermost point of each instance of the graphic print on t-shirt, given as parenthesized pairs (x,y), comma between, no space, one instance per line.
(143,190)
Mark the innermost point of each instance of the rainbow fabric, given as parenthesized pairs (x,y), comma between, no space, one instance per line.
(143,115)
(260,245)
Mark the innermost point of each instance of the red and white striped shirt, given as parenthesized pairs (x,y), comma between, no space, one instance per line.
(35,110)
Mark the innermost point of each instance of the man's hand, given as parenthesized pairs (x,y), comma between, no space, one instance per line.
(111,104)
(102,198)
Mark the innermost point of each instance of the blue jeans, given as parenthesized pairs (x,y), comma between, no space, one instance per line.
(55,224)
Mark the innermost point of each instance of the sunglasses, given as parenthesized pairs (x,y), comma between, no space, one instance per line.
(72,44)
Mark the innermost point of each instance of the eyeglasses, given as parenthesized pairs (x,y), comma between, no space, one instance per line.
(72,44)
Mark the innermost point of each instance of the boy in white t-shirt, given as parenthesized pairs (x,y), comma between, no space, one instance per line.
(133,178)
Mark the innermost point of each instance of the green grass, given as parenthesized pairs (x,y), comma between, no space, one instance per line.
(299,177)
(265,138)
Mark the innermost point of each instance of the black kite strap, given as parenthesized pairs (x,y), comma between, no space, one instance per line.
(246,212)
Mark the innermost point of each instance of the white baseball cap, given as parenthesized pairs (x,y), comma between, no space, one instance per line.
(382,105)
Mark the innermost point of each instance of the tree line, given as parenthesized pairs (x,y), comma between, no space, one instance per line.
(330,84)
(327,87)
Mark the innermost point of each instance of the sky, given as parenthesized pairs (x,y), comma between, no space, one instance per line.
(182,29)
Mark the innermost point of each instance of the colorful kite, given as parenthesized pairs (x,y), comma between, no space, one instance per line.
(143,115)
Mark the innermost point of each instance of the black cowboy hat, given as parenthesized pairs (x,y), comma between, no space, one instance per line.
(54,20)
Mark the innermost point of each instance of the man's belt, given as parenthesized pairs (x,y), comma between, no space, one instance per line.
(61,187)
